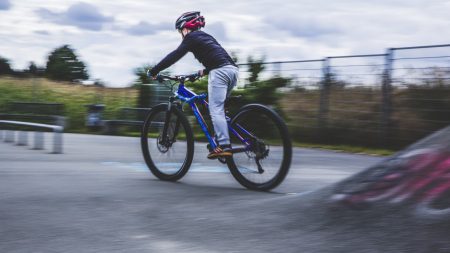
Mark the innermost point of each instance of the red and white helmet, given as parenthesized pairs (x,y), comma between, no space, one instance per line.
(190,20)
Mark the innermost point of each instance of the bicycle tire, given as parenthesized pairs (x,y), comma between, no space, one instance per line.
(155,168)
(286,148)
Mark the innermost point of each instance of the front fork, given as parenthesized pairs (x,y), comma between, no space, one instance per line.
(165,138)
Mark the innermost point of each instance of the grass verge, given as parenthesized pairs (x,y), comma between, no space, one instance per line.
(347,149)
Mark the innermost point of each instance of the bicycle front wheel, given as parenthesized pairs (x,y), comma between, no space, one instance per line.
(266,148)
(167,143)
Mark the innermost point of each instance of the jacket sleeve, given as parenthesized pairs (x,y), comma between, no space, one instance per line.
(171,58)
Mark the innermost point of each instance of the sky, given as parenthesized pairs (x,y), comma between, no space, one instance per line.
(115,37)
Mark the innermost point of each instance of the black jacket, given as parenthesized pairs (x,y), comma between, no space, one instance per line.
(205,49)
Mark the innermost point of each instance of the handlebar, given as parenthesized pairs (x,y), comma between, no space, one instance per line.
(180,78)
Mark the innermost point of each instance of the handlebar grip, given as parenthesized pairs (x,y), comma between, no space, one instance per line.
(159,78)
(194,77)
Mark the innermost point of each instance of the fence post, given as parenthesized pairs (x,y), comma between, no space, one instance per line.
(386,103)
(277,68)
(324,100)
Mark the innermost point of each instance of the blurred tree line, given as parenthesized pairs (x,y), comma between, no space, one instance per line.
(62,65)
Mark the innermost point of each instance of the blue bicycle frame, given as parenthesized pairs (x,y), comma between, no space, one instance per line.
(189,97)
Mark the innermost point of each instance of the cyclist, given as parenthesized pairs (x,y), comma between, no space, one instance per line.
(221,70)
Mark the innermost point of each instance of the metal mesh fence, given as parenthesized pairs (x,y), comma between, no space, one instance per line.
(386,100)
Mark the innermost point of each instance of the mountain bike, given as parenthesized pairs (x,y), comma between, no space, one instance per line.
(261,145)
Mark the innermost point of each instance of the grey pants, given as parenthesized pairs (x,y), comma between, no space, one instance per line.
(220,83)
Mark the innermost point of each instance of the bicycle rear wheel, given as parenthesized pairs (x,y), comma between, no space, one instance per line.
(168,157)
(265,162)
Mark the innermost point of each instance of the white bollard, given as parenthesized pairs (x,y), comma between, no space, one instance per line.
(22,138)
(57,142)
(9,136)
(38,140)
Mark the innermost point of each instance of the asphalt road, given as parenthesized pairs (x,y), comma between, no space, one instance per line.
(99,197)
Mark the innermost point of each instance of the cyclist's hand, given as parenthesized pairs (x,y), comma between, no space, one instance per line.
(159,78)
(195,76)
(149,74)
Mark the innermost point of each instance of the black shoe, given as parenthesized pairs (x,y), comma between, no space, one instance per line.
(220,151)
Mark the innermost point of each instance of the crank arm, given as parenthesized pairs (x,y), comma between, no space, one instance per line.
(238,150)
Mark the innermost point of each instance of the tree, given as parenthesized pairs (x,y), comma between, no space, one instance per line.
(266,92)
(64,65)
(141,73)
(32,69)
(5,67)
(255,67)
(150,95)
(144,90)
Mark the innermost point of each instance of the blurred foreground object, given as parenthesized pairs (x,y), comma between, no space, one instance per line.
(418,176)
